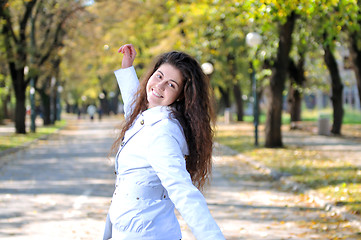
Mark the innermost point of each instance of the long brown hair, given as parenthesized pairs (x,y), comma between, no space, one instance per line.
(193,110)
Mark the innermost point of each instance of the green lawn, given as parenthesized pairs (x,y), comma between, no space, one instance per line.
(351,116)
(335,177)
(15,140)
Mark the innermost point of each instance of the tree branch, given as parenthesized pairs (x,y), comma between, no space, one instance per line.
(50,20)
(23,23)
(8,26)
(33,25)
(57,36)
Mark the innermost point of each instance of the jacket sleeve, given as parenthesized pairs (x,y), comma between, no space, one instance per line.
(128,84)
(166,158)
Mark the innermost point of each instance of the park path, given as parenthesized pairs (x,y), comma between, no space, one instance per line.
(340,148)
(60,188)
(248,204)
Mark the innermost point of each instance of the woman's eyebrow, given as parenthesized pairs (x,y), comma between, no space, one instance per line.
(169,79)
(160,72)
(174,82)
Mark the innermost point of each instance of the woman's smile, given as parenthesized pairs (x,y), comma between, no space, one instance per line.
(164,86)
(156,93)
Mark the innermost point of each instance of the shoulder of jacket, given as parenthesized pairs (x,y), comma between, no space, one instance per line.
(169,126)
(167,123)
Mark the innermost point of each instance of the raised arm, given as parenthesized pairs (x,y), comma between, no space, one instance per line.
(126,77)
(129,55)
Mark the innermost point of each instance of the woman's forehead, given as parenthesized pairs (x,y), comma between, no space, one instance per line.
(170,71)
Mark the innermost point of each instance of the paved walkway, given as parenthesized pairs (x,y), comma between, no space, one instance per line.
(8,127)
(338,147)
(60,188)
(250,205)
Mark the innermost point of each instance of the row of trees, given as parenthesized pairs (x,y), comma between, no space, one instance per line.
(32,36)
(299,40)
(293,33)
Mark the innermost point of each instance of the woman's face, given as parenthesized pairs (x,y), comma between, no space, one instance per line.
(164,86)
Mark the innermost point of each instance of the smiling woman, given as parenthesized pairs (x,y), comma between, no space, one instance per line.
(168,116)
(164,86)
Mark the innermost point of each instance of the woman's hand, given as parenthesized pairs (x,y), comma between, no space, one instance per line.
(129,55)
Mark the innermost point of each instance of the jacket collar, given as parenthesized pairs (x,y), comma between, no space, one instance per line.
(155,114)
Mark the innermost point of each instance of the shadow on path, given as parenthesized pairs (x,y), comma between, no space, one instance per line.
(61,186)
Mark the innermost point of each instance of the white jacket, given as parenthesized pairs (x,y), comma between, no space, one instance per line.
(152,178)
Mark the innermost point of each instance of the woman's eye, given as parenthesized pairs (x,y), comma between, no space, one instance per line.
(159,76)
(171,85)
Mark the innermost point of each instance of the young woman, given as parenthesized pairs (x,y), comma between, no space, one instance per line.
(164,147)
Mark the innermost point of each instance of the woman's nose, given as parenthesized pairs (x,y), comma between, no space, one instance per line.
(161,85)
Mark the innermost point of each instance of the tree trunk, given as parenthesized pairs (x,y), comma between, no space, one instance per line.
(355,54)
(20,113)
(277,84)
(5,101)
(237,92)
(6,109)
(104,103)
(1,114)
(19,86)
(337,88)
(45,101)
(115,102)
(294,102)
(53,112)
(15,48)
(225,97)
(298,78)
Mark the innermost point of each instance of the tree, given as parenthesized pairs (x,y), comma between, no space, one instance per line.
(90,52)
(5,86)
(14,31)
(50,23)
(303,43)
(34,46)
(275,21)
(325,16)
(337,89)
(215,32)
(351,11)
(277,83)
(355,53)
(296,72)
(327,30)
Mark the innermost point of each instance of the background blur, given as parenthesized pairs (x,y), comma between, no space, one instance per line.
(286,77)
(299,61)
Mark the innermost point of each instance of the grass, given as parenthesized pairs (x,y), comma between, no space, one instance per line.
(16,140)
(329,174)
(351,116)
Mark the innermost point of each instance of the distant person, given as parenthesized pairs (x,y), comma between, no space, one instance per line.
(79,113)
(91,110)
(100,113)
(164,147)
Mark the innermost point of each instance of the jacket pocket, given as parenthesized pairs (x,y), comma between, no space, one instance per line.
(125,215)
